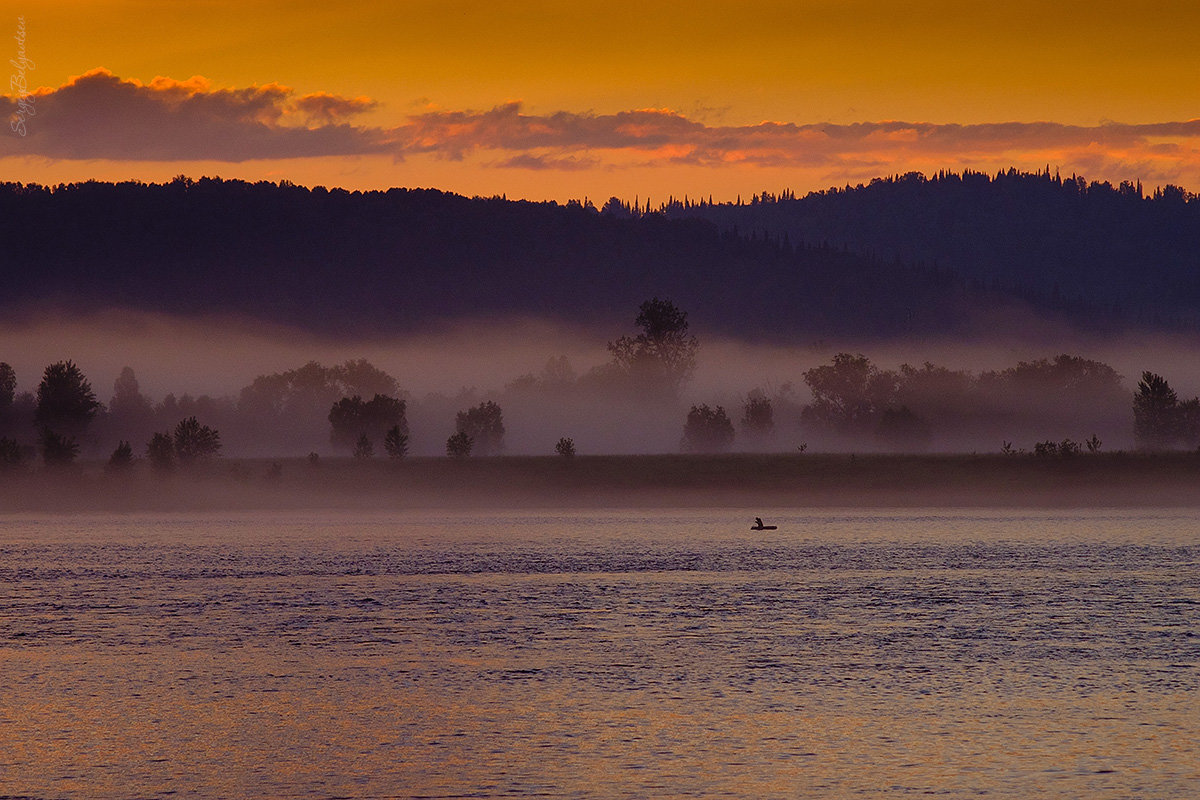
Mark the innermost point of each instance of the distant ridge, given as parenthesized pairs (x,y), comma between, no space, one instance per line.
(901,256)
(1082,247)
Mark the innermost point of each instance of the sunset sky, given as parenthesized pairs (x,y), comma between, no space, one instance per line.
(554,100)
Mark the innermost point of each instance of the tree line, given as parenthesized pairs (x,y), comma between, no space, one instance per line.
(53,422)
(343,262)
(853,403)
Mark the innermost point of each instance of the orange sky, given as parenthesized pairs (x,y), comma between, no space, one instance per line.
(550,100)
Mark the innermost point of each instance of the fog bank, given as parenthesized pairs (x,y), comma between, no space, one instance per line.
(441,372)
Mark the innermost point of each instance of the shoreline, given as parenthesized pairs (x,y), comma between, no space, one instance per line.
(730,481)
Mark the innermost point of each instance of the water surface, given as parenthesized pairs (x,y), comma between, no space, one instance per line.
(626,654)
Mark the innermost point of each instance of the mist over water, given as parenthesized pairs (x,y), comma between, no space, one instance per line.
(442,372)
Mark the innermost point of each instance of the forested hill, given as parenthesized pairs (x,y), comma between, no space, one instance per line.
(347,263)
(1135,254)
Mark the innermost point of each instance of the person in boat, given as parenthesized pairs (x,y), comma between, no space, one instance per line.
(758,523)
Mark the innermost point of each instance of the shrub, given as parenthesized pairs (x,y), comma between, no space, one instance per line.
(1046,449)
(1064,449)
(459,445)
(395,442)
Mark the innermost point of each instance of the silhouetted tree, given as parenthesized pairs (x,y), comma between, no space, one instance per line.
(160,450)
(484,424)
(707,430)
(395,442)
(363,449)
(58,450)
(565,447)
(289,407)
(758,417)
(195,442)
(312,388)
(1065,379)
(128,400)
(65,400)
(1155,413)
(351,418)
(459,445)
(130,413)
(121,458)
(849,394)
(361,377)
(663,356)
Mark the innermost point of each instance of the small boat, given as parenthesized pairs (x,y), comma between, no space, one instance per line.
(758,526)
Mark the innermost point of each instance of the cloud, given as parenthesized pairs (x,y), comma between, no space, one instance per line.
(663,135)
(99,115)
(541,162)
(102,116)
(330,108)
(645,138)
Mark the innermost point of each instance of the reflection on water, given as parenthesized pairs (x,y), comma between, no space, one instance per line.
(662,654)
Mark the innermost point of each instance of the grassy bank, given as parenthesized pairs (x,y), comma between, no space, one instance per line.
(741,481)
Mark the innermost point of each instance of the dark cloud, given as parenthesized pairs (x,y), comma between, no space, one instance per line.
(539,162)
(99,115)
(327,109)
